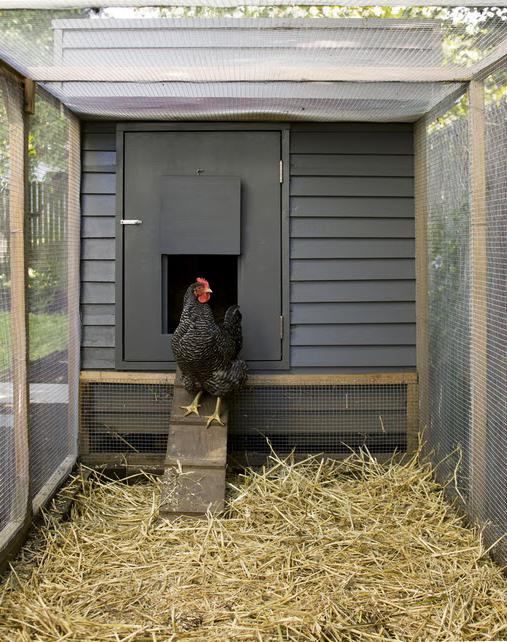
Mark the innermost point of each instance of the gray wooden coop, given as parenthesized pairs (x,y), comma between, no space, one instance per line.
(342,179)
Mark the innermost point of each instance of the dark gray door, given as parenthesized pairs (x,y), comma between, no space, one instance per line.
(241,172)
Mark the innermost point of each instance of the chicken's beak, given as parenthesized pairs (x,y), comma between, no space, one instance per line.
(208,290)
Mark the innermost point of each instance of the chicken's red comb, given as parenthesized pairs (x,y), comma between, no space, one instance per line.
(201,280)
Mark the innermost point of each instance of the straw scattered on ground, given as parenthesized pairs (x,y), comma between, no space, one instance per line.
(310,551)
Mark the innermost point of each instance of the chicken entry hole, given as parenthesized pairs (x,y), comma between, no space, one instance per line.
(180,271)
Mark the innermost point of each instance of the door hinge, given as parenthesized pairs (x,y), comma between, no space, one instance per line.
(281,171)
(130,221)
(281,326)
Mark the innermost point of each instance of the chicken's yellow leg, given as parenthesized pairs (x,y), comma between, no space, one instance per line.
(194,406)
(216,415)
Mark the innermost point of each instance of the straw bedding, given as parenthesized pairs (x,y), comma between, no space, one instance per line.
(309,551)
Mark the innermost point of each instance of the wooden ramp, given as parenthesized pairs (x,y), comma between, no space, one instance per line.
(194,477)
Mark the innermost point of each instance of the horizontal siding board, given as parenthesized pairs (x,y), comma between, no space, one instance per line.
(98,205)
(98,249)
(312,421)
(97,314)
(351,127)
(100,141)
(357,312)
(98,161)
(97,293)
(351,269)
(373,228)
(97,227)
(353,334)
(98,183)
(98,337)
(360,206)
(336,291)
(351,165)
(353,356)
(351,186)
(98,127)
(97,358)
(352,248)
(352,143)
(97,271)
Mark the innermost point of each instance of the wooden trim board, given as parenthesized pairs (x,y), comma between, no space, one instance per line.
(479,312)
(388,378)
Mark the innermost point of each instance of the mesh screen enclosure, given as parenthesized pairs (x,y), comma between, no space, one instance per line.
(467,356)
(39,294)
(251,61)
(51,226)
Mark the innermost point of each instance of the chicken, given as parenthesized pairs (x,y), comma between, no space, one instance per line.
(207,352)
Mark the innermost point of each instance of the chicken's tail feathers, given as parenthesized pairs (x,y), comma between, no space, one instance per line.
(232,324)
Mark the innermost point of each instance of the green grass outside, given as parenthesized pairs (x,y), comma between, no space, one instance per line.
(48,333)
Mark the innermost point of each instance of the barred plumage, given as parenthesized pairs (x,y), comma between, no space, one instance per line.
(205,351)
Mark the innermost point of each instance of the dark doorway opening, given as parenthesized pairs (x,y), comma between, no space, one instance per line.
(179,271)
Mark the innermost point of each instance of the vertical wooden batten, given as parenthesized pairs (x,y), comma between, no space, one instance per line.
(73,246)
(478,308)
(421,264)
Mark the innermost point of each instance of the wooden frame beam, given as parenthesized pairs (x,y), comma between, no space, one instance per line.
(151,75)
(387,378)
(478,312)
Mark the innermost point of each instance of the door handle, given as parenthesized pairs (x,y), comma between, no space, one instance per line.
(130,221)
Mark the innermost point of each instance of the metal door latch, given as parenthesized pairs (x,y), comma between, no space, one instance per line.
(130,221)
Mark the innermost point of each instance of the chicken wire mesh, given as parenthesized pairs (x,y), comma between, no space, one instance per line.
(13,459)
(52,226)
(467,354)
(251,61)
(128,423)
(39,342)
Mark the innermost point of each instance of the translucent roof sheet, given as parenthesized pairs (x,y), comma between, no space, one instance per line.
(332,64)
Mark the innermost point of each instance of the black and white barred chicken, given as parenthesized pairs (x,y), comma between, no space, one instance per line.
(207,352)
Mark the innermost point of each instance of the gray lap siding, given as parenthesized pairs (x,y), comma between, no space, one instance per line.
(352,287)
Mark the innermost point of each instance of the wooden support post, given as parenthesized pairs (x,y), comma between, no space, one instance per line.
(73,247)
(478,314)
(421,257)
(29,96)
(194,478)
(412,418)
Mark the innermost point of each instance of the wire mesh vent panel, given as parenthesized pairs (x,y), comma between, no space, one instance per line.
(313,419)
(133,419)
(13,460)
(129,419)
(50,229)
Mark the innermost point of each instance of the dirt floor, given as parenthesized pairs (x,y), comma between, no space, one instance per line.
(309,551)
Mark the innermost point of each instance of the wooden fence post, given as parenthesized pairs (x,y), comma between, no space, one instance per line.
(478,311)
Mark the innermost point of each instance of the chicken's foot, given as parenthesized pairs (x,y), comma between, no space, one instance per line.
(216,415)
(194,406)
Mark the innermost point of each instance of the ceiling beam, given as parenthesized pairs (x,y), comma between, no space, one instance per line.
(268,74)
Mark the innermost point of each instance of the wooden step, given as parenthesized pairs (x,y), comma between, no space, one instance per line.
(194,478)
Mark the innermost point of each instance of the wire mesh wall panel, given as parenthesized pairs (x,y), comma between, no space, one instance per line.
(52,226)
(449,288)
(14,483)
(128,423)
(495,287)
